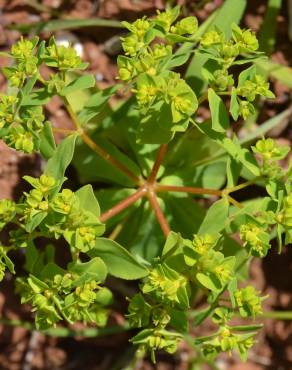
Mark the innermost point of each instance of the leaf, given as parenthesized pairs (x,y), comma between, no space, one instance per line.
(233,169)
(66,24)
(234,105)
(179,320)
(219,115)
(61,159)
(95,269)
(184,214)
(86,162)
(96,103)
(208,282)
(278,71)
(142,230)
(80,83)
(119,261)
(267,37)
(37,97)
(177,60)
(247,74)
(266,126)
(173,241)
(35,221)
(49,271)
(47,141)
(215,219)
(88,200)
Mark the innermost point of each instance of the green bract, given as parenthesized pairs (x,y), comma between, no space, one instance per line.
(143,157)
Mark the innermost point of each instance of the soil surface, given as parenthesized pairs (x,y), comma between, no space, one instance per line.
(24,349)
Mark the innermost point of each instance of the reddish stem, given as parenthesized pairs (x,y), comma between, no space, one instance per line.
(158,212)
(107,157)
(160,155)
(187,189)
(119,207)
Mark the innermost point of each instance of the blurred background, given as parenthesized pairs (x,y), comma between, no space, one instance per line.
(97,41)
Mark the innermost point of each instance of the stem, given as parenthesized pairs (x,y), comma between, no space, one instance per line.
(160,155)
(188,189)
(99,150)
(234,202)
(278,315)
(123,204)
(67,332)
(63,131)
(116,231)
(107,157)
(202,98)
(241,186)
(158,212)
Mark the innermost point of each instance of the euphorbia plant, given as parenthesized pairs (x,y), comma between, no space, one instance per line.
(150,153)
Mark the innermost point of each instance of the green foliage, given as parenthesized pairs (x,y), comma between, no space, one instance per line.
(118,146)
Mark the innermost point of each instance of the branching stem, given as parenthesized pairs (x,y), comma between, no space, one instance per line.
(158,212)
(123,204)
(99,150)
(188,189)
(107,157)
(161,153)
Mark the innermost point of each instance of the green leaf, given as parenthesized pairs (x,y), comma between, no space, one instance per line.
(47,141)
(80,83)
(247,74)
(172,243)
(267,37)
(96,103)
(61,159)
(88,200)
(66,24)
(49,271)
(266,126)
(208,282)
(220,117)
(37,97)
(276,70)
(179,320)
(86,162)
(215,219)
(233,169)
(95,269)
(119,261)
(35,221)
(185,215)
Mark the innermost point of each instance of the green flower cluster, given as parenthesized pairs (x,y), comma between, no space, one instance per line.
(5,262)
(227,341)
(7,212)
(223,54)
(229,338)
(248,302)
(65,296)
(270,153)
(157,339)
(26,62)
(255,238)
(166,293)
(56,214)
(210,268)
(149,58)
(226,51)
(60,214)
(22,120)
(21,127)
(61,57)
